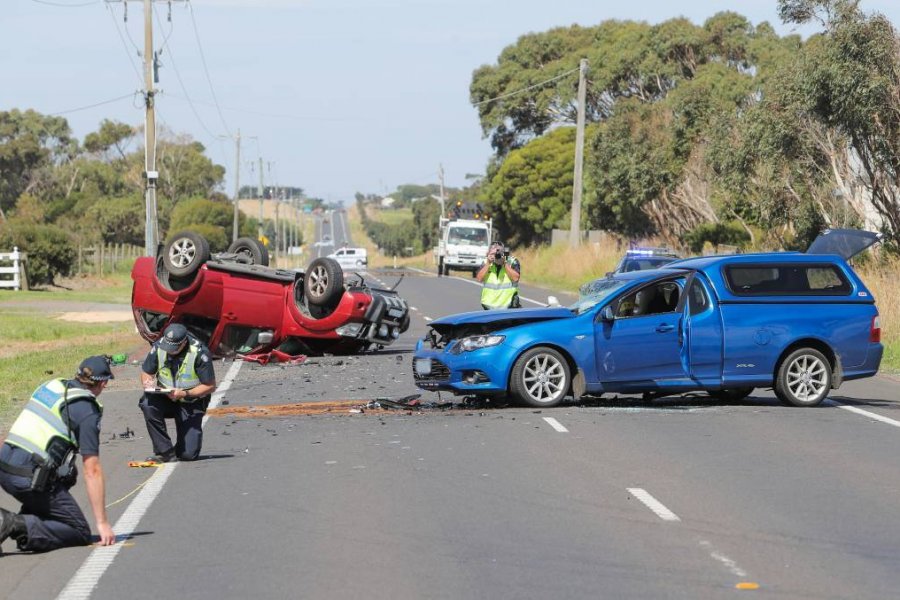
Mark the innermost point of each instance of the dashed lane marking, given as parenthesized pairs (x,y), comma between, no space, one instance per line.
(729,564)
(428,318)
(864,413)
(556,425)
(653,504)
(88,575)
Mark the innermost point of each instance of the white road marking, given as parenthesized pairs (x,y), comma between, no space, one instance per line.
(428,318)
(653,504)
(729,564)
(414,308)
(556,425)
(864,413)
(469,281)
(88,575)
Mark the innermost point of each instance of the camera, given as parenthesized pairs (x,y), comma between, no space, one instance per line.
(499,255)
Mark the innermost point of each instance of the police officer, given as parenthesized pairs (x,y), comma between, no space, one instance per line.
(178,380)
(37,463)
(500,279)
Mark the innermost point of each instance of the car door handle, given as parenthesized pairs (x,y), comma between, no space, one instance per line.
(664,328)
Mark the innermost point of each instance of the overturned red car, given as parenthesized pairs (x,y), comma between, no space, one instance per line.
(239,306)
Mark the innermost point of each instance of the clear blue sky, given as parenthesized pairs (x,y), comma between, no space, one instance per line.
(373,93)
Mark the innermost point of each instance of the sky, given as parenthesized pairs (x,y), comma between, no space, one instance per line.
(336,96)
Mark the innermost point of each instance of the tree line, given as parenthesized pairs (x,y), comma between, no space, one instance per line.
(723,132)
(57,192)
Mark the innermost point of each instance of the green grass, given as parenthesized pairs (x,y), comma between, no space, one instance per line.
(33,326)
(114,288)
(393,217)
(890,362)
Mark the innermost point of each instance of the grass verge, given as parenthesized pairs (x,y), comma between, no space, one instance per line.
(115,288)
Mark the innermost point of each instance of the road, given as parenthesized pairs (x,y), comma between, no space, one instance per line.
(678,498)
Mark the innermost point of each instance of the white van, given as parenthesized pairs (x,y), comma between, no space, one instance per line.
(351,258)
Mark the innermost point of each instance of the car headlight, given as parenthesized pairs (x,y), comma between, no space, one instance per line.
(349,330)
(476,342)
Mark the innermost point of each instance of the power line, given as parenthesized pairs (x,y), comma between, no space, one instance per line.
(96,104)
(184,88)
(125,45)
(205,69)
(530,87)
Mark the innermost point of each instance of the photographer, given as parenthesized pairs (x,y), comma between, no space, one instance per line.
(500,279)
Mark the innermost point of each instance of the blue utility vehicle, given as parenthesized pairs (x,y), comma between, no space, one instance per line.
(800,323)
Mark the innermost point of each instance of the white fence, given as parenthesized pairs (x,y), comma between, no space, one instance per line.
(13,263)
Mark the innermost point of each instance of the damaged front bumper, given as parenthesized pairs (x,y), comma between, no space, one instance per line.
(477,372)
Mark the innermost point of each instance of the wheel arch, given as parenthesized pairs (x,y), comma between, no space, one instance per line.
(810,342)
(573,366)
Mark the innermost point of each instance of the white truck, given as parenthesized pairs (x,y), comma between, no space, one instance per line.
(463,244)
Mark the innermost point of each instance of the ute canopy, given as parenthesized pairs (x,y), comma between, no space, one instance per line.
(846,243)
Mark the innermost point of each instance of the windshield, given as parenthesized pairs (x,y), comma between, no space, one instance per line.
(475,236)
(595,293)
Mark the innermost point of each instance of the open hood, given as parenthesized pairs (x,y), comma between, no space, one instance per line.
(846,243)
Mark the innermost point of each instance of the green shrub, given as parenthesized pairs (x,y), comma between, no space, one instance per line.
(216,236)
(728,232)
(51,251)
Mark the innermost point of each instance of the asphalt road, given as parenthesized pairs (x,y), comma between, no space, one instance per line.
(678,498)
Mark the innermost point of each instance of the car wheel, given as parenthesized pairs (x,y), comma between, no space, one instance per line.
(540,377)
(360,263)
(185,252)
(323,283)
(804,378)
(731,395)
(254,250)
(441,267)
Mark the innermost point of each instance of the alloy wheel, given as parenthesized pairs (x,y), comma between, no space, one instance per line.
(544,378)
(807,377)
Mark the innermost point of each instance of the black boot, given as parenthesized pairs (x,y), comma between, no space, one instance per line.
(11,525)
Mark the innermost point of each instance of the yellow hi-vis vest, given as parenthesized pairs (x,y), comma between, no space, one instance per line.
(41,420)
(187,377)
(497,289)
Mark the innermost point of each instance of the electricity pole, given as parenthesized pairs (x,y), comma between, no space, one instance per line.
(575,232)
(237,182)
(441,176)
(259,191)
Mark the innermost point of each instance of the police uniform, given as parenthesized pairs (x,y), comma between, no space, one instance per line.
(185,370)
(498,290)
(61,416)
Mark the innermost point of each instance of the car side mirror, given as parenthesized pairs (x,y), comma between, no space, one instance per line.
(265,337)
(606,314)
(553,301)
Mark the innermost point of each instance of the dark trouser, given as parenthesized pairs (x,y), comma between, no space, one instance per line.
(52,517)
(188,425)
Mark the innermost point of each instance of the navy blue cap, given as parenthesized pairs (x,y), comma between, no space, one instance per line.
(174,336)
(95,368)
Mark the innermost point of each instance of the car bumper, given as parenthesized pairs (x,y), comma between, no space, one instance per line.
(464,263)
(483,371)
(870,367)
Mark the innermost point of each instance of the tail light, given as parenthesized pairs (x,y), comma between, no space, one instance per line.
(875,330)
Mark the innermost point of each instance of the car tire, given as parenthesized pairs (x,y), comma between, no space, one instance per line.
(732,394)
(323,283)
(540,378)
(441,267)
(804,378)
(253,249)
(184,253)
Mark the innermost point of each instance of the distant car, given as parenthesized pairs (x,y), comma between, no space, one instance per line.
(351,258)
(236,304)
(800,323)
(636,259)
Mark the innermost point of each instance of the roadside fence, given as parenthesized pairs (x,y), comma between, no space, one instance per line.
(104,259)
(13,264)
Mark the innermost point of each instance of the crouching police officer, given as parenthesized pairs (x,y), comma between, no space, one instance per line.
(500,279)
(178,379)
(37,463)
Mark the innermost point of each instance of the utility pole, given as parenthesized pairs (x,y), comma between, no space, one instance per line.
(577,184)
(259,192)
(441,176)
(237,182)
(151,175)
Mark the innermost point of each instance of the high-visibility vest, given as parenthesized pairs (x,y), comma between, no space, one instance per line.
(187,377)
(41,419)
(498,289)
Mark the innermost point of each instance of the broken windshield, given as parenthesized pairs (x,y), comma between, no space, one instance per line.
(598,292)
